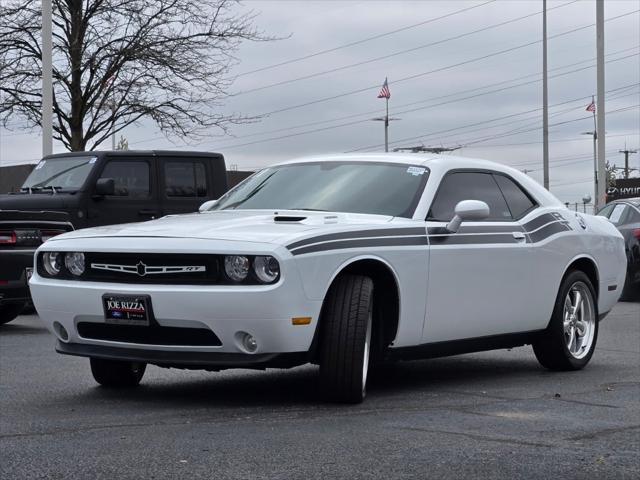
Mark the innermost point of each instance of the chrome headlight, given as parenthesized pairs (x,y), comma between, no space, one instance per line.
(74,263)
(267,269)
(236,267)
(52,262)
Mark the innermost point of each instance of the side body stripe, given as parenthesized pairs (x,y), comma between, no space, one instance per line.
(535,230)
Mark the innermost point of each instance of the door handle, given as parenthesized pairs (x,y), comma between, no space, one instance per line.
(519,236)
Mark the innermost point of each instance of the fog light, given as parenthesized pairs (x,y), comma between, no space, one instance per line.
(60,331)
(249,343)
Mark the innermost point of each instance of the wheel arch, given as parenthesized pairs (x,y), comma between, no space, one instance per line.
(587,264)
(387,297)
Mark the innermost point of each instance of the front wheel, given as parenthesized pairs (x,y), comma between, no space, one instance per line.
(114,373)
(569,341)
(346,339)
(10,311)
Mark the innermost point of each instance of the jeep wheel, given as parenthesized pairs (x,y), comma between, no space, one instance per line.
(113,373)
(346,339)
(570,339)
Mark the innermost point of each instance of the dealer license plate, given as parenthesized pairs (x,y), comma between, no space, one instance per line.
(127,309)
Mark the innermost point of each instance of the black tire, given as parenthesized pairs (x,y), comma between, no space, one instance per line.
(117,374)
(630,291)
(10,311)
(551,347)
(345,339)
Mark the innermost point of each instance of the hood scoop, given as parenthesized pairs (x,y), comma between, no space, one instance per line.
(288,219)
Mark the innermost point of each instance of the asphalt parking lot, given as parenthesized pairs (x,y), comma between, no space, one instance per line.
(489,415)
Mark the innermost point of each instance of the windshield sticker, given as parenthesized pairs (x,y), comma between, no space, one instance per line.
(40,165)
(415,171)
(93,160)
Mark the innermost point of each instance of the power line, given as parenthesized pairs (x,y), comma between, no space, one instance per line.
(401,52)
(372,112)
(437,70)
(419,137)
(364,40)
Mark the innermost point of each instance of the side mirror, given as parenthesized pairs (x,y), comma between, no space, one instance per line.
(105,186)
(468,210)
(207,205)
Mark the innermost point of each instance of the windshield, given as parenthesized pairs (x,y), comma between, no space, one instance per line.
(68,173)
(352,187)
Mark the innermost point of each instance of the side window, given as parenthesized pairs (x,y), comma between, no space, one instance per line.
(634,217)
(518,200)
(185,179)
(618,214)
(459,186)
(131,177)
(606,211)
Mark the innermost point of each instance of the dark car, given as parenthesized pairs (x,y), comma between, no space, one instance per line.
(103,188)
(625,215)
(21,233)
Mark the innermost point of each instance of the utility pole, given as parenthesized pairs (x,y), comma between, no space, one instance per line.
(47,81)
(602,172)
(545,100)
(627,152)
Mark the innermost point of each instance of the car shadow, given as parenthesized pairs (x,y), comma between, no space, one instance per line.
(299,387)
(12,328)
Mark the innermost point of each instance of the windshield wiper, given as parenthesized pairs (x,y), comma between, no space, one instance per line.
(308,209)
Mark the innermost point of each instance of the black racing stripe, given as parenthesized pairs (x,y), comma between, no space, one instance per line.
(477,229)
(456,239)
(372,242)
(548,231)
(381,232)
(539,221)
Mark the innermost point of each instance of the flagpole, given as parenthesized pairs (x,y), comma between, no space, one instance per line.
(595,156)
(386,127)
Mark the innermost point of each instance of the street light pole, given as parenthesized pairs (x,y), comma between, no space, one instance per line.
(545,100)
(47,81)
(602,172)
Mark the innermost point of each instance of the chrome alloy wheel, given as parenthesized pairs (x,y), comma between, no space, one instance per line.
(579,320)
(365,356)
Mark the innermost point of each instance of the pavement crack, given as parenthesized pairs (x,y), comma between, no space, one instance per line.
(604,431)
(483,438)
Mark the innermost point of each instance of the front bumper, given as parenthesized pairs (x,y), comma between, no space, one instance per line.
(264,312)
(13,276)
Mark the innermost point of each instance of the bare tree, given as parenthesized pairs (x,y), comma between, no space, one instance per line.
(116,62)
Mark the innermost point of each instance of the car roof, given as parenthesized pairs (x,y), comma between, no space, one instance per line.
(135,153)
(633,201)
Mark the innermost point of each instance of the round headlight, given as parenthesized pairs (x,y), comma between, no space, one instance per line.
(74,263)
(236,267)
(267,269)
(52,262)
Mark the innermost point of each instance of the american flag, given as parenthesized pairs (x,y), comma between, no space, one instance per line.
(384,91)
(591,107)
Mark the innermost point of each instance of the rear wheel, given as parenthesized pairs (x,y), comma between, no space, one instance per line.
(114,373)
(345,347)
(10,311)
(569,341)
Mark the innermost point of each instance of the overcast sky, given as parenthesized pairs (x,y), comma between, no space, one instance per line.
(505,126)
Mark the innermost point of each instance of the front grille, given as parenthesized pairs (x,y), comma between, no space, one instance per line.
(151,335)
(145,268)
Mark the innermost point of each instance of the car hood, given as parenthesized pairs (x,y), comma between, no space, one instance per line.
(246,225)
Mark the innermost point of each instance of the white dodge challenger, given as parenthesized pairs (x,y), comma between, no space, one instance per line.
(342,261)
